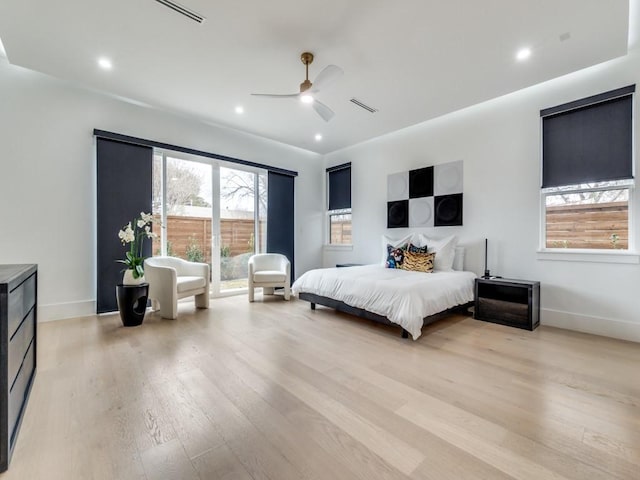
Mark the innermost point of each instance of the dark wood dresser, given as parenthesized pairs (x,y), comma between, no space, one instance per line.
(18,318)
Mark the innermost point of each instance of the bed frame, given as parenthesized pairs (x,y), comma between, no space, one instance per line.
(314,299)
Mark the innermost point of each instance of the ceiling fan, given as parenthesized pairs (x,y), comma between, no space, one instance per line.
(308,89)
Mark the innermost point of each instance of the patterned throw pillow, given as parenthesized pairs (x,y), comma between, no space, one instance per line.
(418,262)
(415,249)
(395,255)
(396,242)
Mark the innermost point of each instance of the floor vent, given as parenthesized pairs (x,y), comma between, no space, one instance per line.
(369,109)
(182,10)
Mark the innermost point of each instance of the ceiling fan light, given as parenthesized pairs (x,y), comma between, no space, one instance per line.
(306,98)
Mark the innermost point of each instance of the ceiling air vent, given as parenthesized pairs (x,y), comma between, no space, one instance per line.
(369,109)
(182,10)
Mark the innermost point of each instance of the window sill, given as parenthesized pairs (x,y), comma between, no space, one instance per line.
(597,256)
(338,247)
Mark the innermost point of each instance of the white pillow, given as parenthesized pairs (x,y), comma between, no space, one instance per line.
(458,259)
(444,248)
(394,243)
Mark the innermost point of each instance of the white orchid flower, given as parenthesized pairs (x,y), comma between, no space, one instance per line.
(126,235)
(146,218)
(149,233)
(134,235)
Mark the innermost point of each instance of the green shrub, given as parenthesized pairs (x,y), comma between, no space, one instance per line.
(232,268)
(251,244)
(194,251)
(169,250)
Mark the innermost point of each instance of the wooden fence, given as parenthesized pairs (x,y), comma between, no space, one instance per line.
(341,232)
(588,226)
(572,226)
(194,234)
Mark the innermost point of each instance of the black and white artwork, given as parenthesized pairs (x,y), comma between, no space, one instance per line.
(398,186)
(398,214)
(421,183)
(426,197)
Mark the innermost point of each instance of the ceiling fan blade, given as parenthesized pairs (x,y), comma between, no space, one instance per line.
(272,95)
(329,74)
(321,109)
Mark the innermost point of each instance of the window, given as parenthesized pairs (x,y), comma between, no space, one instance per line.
(587,172)
(211,211)
(339,204)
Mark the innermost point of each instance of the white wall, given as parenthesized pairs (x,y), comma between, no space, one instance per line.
(499,142)
(47,179)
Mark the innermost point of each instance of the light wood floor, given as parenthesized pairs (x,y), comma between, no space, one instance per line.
(272,390)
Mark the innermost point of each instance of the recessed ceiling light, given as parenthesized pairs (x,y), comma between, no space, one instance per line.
(523,54)
(105,63)
(318,137)
(306,98)
(239,109)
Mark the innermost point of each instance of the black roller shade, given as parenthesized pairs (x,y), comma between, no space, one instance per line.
(339,187)
(191,151)
(280,216)
(591,143)
(124,189)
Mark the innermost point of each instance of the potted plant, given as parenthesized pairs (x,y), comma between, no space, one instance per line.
(134,234)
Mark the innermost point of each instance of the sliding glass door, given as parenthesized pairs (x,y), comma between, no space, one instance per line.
(210,213)
(243,202)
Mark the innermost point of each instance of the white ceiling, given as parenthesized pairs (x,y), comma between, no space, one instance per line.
(411,59)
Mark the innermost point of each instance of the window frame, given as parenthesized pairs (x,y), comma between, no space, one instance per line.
(628,255)
(330,213)
(628,185)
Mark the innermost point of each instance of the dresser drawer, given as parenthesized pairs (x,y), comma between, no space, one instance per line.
(21,299)
(18,392)
(19,344)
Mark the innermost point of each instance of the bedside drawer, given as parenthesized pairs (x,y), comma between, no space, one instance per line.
(21,299)
(501,311)
(515,303)
(19,391)
(19,344)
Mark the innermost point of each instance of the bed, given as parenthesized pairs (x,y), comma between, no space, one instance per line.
(394,296)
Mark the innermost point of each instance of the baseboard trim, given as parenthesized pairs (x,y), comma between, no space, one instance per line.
(605,327)
(61,311)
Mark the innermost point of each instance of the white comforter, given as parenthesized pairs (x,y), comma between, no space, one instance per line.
(403,297)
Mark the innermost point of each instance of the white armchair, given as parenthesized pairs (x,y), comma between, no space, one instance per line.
(269,270)
(172,278)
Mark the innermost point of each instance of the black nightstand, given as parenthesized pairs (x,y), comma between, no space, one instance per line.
(341,265)
(515,303)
